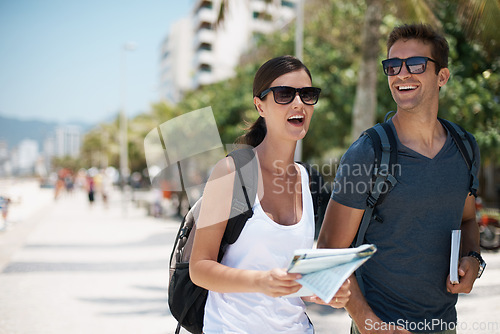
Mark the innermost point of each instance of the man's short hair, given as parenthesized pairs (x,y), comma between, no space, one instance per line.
(425,33)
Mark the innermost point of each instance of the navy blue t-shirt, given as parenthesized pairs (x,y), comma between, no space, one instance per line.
(405,281)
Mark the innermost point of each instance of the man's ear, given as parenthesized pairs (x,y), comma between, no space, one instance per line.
(443,76)
(258,105)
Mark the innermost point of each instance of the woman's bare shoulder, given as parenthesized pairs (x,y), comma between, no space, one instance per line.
(224,167)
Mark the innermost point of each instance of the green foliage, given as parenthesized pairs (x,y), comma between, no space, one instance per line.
(331,51)
(100,146)
(332,43)
(473,102)
(472,95)
(231,101)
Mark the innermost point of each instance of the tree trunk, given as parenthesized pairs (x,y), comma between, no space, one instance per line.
(365,101)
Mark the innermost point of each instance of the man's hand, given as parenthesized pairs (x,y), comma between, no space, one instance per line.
(468,268)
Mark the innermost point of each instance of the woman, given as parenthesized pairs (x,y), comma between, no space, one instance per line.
(242,288)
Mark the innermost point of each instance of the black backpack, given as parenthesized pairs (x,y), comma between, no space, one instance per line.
(187,300)
(385,167)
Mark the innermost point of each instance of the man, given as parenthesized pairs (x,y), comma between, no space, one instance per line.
(406,286)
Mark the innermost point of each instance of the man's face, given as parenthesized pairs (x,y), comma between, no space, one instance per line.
(412,92)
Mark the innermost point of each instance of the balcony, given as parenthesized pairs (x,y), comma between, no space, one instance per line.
(202,78)
(200,4)
(203,57)
(204,18)
(262,26)
(203,36)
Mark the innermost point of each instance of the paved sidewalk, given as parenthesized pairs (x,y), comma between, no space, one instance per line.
(70,268)
(86,270)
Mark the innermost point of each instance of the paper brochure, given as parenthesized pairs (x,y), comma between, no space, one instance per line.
(325,270)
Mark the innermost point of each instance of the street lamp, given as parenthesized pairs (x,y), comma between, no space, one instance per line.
(124,170)
(299,46)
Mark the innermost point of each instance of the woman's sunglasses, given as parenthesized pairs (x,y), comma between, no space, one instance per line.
(414,65)
(285,94)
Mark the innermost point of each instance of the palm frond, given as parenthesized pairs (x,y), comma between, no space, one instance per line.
(221,16)
(480,20)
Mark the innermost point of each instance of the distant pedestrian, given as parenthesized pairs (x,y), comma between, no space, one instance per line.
(91,189)
(59,186)
(106,187)
(4,208)
(69,183)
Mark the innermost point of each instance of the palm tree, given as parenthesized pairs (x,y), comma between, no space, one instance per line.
(480,20)
(224,8)
(365,101)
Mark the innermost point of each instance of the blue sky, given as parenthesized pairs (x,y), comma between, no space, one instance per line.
(60,60)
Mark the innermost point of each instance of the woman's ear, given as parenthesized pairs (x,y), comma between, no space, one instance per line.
(258,103)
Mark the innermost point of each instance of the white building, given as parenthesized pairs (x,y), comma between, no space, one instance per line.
(4,150)
(48,151)
(27,155)
(4,158)
(175,63)
(67,141)
(199,51)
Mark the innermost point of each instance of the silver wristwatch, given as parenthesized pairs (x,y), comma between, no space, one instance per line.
(479,259)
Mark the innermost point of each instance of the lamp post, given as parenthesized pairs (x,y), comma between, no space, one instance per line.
(124,170)
(299,42)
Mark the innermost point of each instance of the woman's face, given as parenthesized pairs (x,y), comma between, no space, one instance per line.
(288,121)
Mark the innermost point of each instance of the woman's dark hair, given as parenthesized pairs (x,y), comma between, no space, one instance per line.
(266,74)
(426,34)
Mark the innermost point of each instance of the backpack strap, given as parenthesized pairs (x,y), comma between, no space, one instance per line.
(245,190)
(385,149)
(185,229)
(320,194)
(465,145)
(388,115)
(316,187)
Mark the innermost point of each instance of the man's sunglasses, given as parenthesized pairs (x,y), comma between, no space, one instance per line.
(285,94)
(414,65)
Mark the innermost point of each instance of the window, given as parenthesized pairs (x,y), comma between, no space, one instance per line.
(205,46)
(205,25)
(204,5)
(205,68)
(262,16)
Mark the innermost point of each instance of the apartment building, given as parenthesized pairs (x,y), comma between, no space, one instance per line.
(176,59)
(199,50)
(68,140)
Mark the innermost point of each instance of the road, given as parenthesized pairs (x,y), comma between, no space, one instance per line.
(68,267)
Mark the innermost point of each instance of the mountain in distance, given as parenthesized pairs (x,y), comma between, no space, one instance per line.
(14,130)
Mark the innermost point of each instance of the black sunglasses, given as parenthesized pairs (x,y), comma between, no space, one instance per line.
(285,94)
(414,65)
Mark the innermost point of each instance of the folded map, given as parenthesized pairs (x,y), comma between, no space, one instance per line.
(325,270)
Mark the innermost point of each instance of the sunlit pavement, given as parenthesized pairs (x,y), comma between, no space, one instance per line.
(83,269)
(67,267)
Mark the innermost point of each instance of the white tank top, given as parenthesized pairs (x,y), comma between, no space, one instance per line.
(263,245)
